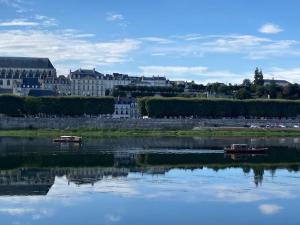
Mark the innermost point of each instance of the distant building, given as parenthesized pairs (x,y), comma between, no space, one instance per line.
(61,85)
(92,83)
(14,69)
(281,83)
(23,87)
(125,108)
(153,82)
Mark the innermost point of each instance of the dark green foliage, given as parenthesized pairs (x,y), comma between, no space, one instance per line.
(258,77)
(243,93)
(142,106)
(203,108)
(11,105)
(68,106)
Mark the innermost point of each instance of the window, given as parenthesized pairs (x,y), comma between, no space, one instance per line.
(8,82)
(1,82)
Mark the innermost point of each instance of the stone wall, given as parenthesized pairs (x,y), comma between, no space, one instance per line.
(125,124)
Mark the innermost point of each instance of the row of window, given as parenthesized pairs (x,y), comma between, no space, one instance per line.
(7,82)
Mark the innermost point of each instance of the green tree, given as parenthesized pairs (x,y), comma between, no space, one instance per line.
(258,77)
(243,93)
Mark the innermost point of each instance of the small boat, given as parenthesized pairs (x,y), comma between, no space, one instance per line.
(68,139)
(244,149)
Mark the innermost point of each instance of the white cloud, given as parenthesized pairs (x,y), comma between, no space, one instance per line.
(157,40)
(114,17)
(16,211)
(18,5)
(65,47)
(289,74)
(18,23)
(46,21)
(39,20)
(270,28)
(112,218)
(269,209)
(249,46)
(172,70)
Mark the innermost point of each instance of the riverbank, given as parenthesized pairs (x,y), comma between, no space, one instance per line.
(205,132)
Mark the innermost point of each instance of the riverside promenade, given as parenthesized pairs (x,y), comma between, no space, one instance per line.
(7,123)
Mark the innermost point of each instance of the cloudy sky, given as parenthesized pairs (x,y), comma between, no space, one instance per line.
(204,41)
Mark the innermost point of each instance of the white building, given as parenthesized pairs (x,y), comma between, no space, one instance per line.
(153,82)
(93,83)
(125,109)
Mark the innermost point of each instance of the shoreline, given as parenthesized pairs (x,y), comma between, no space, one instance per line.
(106,133)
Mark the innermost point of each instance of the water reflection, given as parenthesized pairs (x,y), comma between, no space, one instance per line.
(146,181)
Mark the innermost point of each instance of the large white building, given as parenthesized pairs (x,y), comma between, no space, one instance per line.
(14,69)
(92,83)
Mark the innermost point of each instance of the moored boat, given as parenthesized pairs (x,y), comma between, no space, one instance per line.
(68,139)
(244,149)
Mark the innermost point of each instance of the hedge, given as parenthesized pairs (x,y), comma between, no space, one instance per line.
(203,108)
(68,106)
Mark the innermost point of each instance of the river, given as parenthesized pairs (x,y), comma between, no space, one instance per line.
(161,181)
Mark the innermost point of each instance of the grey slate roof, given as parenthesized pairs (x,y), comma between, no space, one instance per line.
(24,62)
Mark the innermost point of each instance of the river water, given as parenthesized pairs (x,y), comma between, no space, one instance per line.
(141,181)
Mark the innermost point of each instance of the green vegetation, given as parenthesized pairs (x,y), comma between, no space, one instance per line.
(217,132)
(67,106)
(217,108)
(256,89)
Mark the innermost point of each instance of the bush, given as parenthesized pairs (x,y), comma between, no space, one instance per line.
(68,106)
(11,105)
(174,107)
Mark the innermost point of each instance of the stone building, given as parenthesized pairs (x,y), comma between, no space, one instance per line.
(125,108)
(154,81)
(60,85)
(14,69)
(92,83)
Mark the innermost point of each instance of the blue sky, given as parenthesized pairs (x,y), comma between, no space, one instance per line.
(201,40)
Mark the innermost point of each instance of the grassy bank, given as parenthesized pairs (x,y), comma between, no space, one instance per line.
(216,132)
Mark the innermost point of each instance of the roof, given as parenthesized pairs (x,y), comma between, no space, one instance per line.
(276,81)
(25,62)
(85,72)
(40,93)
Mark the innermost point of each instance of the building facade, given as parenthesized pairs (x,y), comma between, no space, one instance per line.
(92,83)
(125,108)
(60,85)
(14,69)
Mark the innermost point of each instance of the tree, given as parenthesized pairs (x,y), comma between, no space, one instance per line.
(258,77)
(247,84)
(243,93)
(260,91)
(272,89)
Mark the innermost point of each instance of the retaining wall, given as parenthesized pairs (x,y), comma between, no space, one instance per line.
(104,123)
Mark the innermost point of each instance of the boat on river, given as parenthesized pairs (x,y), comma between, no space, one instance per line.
(244,149)
(68,139)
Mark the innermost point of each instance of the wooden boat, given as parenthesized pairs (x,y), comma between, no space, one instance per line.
(244,149)
(68,139)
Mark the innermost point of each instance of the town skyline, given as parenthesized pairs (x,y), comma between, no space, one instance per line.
(205,43)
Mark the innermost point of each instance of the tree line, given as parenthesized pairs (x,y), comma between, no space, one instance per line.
(65,106)
(217,108)
(256,89)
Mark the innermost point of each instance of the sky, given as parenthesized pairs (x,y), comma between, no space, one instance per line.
(201,40)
